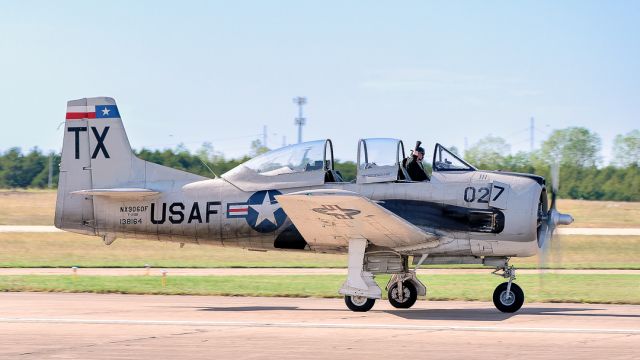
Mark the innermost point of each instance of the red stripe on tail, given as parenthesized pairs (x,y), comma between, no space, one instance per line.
(80,115)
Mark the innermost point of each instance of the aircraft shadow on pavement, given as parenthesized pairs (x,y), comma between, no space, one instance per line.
(483,314)
(412,314)
(254,308)
(491,314)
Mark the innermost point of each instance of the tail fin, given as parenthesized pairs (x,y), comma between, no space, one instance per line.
(97,156)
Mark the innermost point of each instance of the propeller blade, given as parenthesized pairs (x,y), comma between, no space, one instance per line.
(555,177)
(553,203)
(548,226)
(543,235)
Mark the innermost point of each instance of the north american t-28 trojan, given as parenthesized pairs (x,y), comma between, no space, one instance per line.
(293,199)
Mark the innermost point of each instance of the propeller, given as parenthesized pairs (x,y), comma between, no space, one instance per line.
(552,218)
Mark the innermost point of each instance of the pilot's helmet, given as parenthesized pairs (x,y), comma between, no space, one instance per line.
(420,149)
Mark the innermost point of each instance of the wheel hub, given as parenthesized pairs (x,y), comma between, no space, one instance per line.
(405,294)
(358,300)
(507,298)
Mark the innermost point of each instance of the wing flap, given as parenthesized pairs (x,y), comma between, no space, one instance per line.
(332,217)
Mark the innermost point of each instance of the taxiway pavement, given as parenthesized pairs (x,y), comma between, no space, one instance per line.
(94,326)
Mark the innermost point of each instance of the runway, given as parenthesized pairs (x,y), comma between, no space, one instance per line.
(93,326)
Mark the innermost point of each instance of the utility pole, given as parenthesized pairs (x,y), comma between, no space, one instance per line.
(50,180)
(466,146)
(284,141)
(264,136)
(300,120)
(531,133)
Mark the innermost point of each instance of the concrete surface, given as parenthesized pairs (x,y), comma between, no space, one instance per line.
(93,326)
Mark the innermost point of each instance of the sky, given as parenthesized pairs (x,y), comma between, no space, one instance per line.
(192,72)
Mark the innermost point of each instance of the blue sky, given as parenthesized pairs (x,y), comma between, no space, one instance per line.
(218,71)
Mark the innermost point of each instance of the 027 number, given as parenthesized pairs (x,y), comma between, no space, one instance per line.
(482,194)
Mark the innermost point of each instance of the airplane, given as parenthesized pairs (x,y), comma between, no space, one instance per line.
(293,199)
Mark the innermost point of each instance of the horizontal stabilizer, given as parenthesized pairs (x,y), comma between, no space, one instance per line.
(118,192)
(332,217)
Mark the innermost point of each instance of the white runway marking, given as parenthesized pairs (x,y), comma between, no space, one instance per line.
(599,231)
(28,229)
(320,325)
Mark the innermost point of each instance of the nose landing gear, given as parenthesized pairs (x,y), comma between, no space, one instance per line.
(508,297)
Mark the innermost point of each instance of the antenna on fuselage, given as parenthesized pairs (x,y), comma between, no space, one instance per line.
(207,166)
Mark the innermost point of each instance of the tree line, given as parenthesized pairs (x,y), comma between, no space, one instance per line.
(583,175)
(576,150)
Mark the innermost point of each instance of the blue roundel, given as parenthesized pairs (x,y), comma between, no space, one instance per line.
(264,213)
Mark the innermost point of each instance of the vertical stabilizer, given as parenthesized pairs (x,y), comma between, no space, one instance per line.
(97,159)
(95,154)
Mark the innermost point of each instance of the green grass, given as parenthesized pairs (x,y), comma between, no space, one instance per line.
(66,250)
(618,289)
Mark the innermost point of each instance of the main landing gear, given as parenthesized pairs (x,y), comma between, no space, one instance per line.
(401,290)
(360,289)
(359,303)
(507,297)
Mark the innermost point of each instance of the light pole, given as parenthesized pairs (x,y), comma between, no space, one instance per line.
(300,120)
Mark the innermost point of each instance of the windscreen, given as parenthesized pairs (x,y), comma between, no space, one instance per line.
(302,157)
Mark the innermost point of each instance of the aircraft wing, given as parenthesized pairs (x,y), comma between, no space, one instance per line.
(332,217)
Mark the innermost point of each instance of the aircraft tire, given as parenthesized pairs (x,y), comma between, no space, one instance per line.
(508,303)
(410,295)
(359,303)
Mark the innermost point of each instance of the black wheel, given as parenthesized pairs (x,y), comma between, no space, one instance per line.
(359,303)
(508,302)
(409,295)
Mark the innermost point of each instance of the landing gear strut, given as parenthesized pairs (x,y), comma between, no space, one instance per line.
(507,297)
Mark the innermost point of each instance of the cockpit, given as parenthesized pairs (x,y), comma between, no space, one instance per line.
(309,156)
(305,164)
(312,163)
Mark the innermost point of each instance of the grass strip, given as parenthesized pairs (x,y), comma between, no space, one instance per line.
(591,288)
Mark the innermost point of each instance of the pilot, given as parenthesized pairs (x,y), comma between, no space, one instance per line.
(413,164)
